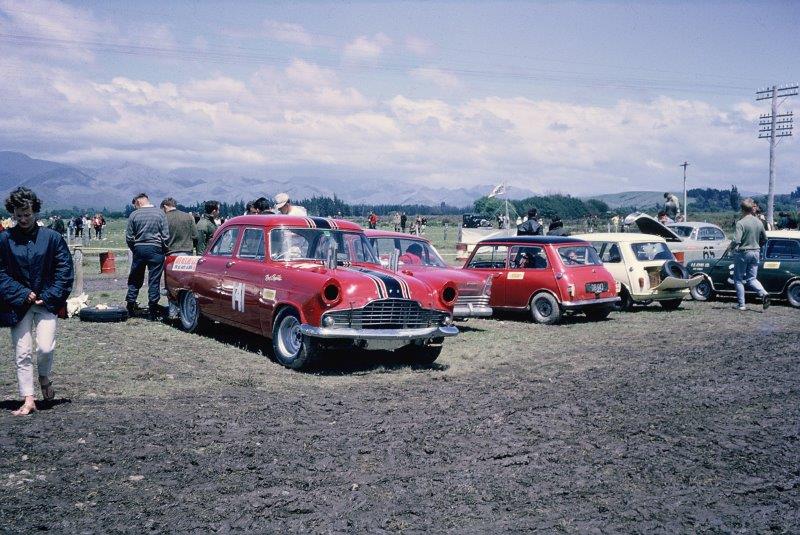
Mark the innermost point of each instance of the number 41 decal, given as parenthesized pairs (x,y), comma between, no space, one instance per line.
(237,297)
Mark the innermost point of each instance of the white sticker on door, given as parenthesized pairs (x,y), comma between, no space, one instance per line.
(237,297)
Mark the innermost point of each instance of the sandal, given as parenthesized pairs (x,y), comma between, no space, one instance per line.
(48,393)
(25,410)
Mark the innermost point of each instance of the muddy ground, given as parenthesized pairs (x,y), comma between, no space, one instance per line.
(648,422)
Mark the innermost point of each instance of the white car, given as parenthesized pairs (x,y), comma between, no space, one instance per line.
(687,241)
(644,267)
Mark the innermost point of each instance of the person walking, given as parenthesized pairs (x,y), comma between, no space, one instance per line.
(748,239)
(207,225)
(147,236)
(36,277)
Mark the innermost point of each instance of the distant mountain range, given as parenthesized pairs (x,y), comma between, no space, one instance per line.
(112,186)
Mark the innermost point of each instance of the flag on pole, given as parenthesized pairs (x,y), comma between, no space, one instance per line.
(499,189)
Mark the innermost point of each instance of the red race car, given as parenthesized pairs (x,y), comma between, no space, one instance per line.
(419,258)
(547,275)
(308,283)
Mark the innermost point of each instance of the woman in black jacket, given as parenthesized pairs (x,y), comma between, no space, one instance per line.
(35,280)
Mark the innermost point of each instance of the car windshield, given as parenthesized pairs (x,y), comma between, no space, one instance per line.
(313,244)
(681,230)
(412,252)
(648,251)
(579,255)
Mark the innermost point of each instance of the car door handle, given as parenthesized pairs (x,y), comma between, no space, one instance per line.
(230,263)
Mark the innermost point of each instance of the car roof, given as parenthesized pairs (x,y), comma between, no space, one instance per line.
(622,237)
(693,224)
(533,240)
(279,220)
(784,234)
(374,233)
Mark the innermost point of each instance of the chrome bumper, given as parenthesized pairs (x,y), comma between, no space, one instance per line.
(471,310)
(438,331)
(589,302)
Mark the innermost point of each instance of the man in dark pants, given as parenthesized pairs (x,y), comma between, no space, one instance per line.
(147,236)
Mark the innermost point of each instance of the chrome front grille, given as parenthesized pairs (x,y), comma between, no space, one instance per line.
(475,300)
(387,314)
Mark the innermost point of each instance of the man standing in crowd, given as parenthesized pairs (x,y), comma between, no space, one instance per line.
(403,222)
(207,225)
(182,229)
(672,206)
(78,226)
(147,236)
(557,227)
(58,226)
(284,205)
(748,239)
(396,221)
(373,220)
(531,227)
(98,222)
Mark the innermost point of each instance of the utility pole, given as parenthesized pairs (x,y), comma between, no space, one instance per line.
(773,126)
(685,203)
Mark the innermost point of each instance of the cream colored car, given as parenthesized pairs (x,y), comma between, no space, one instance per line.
(644,267)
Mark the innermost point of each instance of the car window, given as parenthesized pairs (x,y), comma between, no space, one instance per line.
(225,243)
(489,256)
(648,251)
(313,244)
(359,248)
(252,246)
(609,252)
(783,249)
(681,230)
(710,234)
(528,257)
(383,247)
(579,255)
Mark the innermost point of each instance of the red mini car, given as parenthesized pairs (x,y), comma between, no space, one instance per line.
(308,283)
(419,258)
(547,275)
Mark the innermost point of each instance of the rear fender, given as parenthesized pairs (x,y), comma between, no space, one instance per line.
(543,291)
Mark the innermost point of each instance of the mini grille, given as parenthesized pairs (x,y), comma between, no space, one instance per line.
(387,314)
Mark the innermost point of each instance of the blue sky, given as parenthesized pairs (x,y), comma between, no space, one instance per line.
(576,97)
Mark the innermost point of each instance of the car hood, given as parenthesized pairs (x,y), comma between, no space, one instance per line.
(649,225)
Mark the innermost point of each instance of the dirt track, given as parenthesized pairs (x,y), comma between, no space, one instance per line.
(574,428)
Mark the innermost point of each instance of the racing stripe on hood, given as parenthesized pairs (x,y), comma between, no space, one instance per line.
(395,287)
(320,222)
(310,222)
(379,285)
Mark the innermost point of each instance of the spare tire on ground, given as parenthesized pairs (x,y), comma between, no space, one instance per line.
(109,314)
(671,268)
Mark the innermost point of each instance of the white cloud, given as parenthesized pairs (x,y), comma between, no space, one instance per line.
(418,45)
(288,32)
(438,77)
(367,48)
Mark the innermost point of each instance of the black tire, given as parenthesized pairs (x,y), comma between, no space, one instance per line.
(793,294)
(189,315)
(291,348)
(670,304)
(703,291)
(545,309)
(625,303)
(112,314)
(597,313)
(424,352)
(672,268)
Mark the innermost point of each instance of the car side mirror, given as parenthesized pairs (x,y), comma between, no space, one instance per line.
(394,260)
(330,256)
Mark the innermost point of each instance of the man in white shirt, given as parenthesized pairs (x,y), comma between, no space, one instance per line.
(284,205)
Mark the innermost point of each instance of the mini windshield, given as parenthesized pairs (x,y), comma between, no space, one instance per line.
(579,255)
(313,244)
(681,230)
(647,251)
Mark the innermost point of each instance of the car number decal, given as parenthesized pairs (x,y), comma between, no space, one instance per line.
(185,263)
(237,297)
(516,275)
(772,265)
(273,277)
(268,294)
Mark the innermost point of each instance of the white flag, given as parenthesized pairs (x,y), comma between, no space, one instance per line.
(499,189)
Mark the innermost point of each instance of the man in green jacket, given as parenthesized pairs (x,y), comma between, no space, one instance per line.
(748,240)
(206,226)
(182,228)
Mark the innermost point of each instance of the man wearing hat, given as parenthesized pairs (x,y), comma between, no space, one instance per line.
(285,206)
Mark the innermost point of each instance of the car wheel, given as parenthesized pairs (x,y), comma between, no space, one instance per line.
(625,303)
(545,309)
(703,291)
(291,347)
(672,268)
(103,315)
(424,352)
(793,294)
(189,313)
(670,304)
(597,313)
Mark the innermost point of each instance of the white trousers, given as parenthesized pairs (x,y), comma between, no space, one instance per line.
(44,322)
